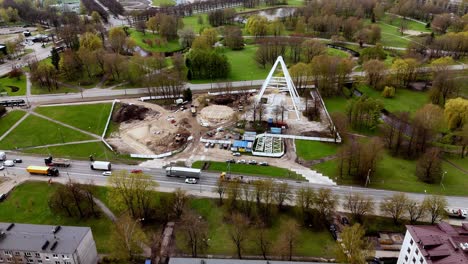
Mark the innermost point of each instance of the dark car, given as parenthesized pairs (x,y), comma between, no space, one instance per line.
(344,220)
(231,161)
(136,171)
(2,197)
(332,227)
(18,161)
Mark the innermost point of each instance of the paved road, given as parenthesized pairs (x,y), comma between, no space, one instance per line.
(81,172)
(98,93)
(39,53)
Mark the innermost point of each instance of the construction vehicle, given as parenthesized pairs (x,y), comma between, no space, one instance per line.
(43,170)
(193,110)
(57,162)
(183,172)
(101,165)
(224,177)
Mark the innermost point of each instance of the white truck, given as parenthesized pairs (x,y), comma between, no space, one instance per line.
(2,156)
(183,172)
(101,165)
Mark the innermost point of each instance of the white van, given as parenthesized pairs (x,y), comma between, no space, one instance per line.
(8,163)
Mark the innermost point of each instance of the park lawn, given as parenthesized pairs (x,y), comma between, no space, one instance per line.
(310,243)
(244,66)
(139,37)
(413,25)
(399,175)
(9,119)
(462,163)
(246,169)
(192,22)
(391,37)
(28,203)
(404,101)
(336,104)
(337,53)
(36,131)
(312,150)
(295,2)
(36,89)
(21,84)
(82,151)
(88,117)
(164,2)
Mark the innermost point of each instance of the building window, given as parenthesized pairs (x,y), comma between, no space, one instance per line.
(67,262)
(30,260)
(417,251)
(47,258)
(39,261)
(17,253)
(37,255)
(406,258)
(57,262)
(408,250)
(421,260)
(8,252)
(54,255)
(1,259)
(28,254)
(8,259)
(411,241)
(414,260)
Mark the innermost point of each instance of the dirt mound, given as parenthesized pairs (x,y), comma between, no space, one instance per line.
(128,112)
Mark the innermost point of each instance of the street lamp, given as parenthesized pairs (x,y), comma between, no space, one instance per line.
(442,180)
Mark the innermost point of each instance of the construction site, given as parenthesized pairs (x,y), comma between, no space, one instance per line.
(218,125)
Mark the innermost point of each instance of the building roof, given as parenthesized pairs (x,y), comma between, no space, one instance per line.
(232,261)
(441,243)
(249,135)
(41,238)
(240,144)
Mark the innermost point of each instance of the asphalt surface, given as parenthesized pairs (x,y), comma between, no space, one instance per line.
(80,171)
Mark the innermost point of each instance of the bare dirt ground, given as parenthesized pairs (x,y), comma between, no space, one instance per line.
(158,131)
(413,32)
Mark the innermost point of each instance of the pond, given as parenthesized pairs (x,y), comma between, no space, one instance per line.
(270,14)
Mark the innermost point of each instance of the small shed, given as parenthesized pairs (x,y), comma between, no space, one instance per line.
(242,145)
(276,130)
(249,136)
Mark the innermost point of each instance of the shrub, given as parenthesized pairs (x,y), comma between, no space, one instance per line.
(388,92)
(15,73)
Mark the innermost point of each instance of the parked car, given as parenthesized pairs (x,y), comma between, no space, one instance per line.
(136,171)
(18,161)
(252,162)
(236,154)
(220,146)
(333,231)
(225,145)
(2,167)
(212,145)
(242,161)
(8,163)
(107,173)
(263,163)
(344,220)
(2,197)
(231,161)
(207,145)
(457,213)
(191,180)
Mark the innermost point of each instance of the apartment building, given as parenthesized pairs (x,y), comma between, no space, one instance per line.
(26,243)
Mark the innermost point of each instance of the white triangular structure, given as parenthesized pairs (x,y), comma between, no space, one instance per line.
(283,83)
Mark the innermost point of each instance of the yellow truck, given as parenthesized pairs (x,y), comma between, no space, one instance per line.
(43,170)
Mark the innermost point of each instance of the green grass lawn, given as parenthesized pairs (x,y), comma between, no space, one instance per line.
(311,150)
(36,89)
(36,131)
(21,84)
(28,203)
(82,151)
(192,22)
(413,25)
(399,175)
(310,243)
(89,117)
(337,53)
(335,104)
(243,65)
(247,169)
(10,119)
(164,2)
(404,101)
(139,37)
(462,163)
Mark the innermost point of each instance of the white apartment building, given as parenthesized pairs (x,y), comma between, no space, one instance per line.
(435,244)
(26,243)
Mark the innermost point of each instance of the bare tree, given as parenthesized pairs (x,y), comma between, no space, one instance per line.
(127,237)
(354,247)
(238,232)
(282,194)
(288,238)
(436,207)
(220,188)
(359,205)
(180,201)
(305,198)
(262,240)
(195,232)
(395,206)
(416,210)
(325,203)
